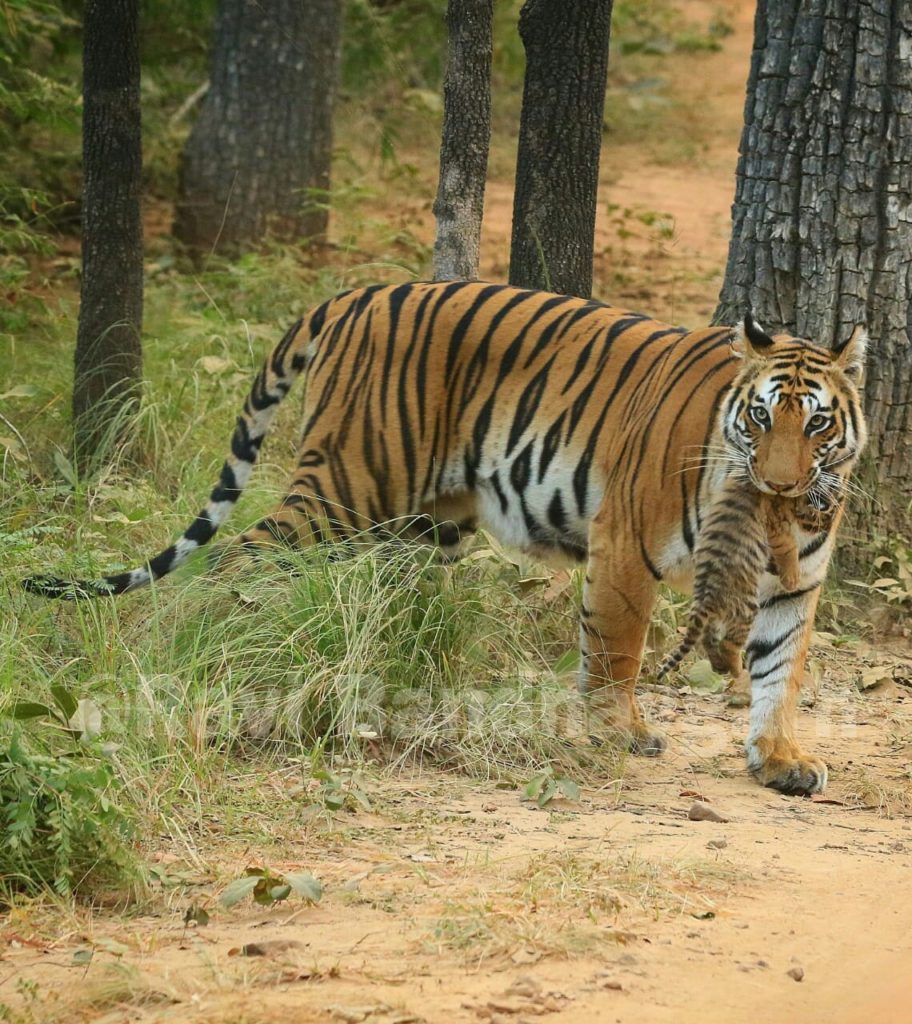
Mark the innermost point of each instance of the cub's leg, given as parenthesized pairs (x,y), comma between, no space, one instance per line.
(618,597)
(776,654)
(785,557)
(725,656)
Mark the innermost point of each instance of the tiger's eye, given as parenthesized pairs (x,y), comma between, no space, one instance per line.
(760,416)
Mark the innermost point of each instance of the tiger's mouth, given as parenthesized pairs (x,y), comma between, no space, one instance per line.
(778,490)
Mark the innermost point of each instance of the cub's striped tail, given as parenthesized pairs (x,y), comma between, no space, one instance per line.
(286,361)
(694,632)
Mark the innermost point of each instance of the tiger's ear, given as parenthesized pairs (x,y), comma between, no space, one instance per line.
(750,339)
(849,355)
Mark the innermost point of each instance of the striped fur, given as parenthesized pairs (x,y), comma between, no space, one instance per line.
(563,426)
(744,531)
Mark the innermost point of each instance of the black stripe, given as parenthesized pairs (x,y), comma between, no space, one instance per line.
(201,530)
(465,322)
(528,404)
(757,649)
(792,595)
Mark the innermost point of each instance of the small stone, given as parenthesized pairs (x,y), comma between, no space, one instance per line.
(525,987)
(700,811)
(504,1006)
(717,844)
(796,972)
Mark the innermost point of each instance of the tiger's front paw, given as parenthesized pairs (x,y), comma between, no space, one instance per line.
(647,742)
(782,765)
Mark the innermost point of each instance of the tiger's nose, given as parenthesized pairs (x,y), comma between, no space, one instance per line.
(779,487)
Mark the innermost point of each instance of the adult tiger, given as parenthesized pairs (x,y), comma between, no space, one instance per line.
(561,425)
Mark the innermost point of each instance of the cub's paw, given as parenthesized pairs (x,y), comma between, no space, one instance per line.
(738,691)
(787,769)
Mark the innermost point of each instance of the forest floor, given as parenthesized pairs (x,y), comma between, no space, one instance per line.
(454,900)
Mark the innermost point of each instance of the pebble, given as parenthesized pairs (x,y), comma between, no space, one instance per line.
(796,972)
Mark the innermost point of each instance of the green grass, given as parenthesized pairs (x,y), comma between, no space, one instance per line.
(212,677)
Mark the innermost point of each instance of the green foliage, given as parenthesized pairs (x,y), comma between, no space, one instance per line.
(657,27)
(268,887)
(62,823)
(39,144)
(892,573)
(547,786)
(402,43)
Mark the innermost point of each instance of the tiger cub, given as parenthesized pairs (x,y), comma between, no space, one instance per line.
(742,532)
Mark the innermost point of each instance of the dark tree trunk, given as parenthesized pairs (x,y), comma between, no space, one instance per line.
(822,220)
(465,138)
(560,137)
(108,365)
(257,160)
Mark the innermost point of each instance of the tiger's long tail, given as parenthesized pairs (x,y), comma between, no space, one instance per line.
(292,355)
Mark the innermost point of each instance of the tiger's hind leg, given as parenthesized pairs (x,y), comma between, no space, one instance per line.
(320,508)
(446,523)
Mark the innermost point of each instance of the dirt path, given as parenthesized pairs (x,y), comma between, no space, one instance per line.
(664,214)
(454,901)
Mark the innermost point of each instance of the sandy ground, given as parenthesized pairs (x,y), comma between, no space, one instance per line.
(457,901)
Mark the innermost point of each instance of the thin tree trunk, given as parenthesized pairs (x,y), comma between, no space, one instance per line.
(258,158)
(464,140)
(108,363)
(560,137)
(822,220)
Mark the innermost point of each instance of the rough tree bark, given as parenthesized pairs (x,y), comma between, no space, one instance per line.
(257,160)
(464,140)
(560,136)
(822,219)
(108,363)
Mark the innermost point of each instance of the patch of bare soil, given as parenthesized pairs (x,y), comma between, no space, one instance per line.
(458,901)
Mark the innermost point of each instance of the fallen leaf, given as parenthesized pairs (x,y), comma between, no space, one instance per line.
(112,946)
(197,916)
(267,947)
(215,364)
(355,1014)
(873,676)
(700,811)
(701,676)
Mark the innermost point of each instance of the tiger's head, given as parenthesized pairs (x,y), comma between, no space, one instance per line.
(793,422)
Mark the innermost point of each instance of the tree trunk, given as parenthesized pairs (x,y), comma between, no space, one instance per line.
(560,137)
(822,220)
(108,364)
(465,137)
(257,160)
